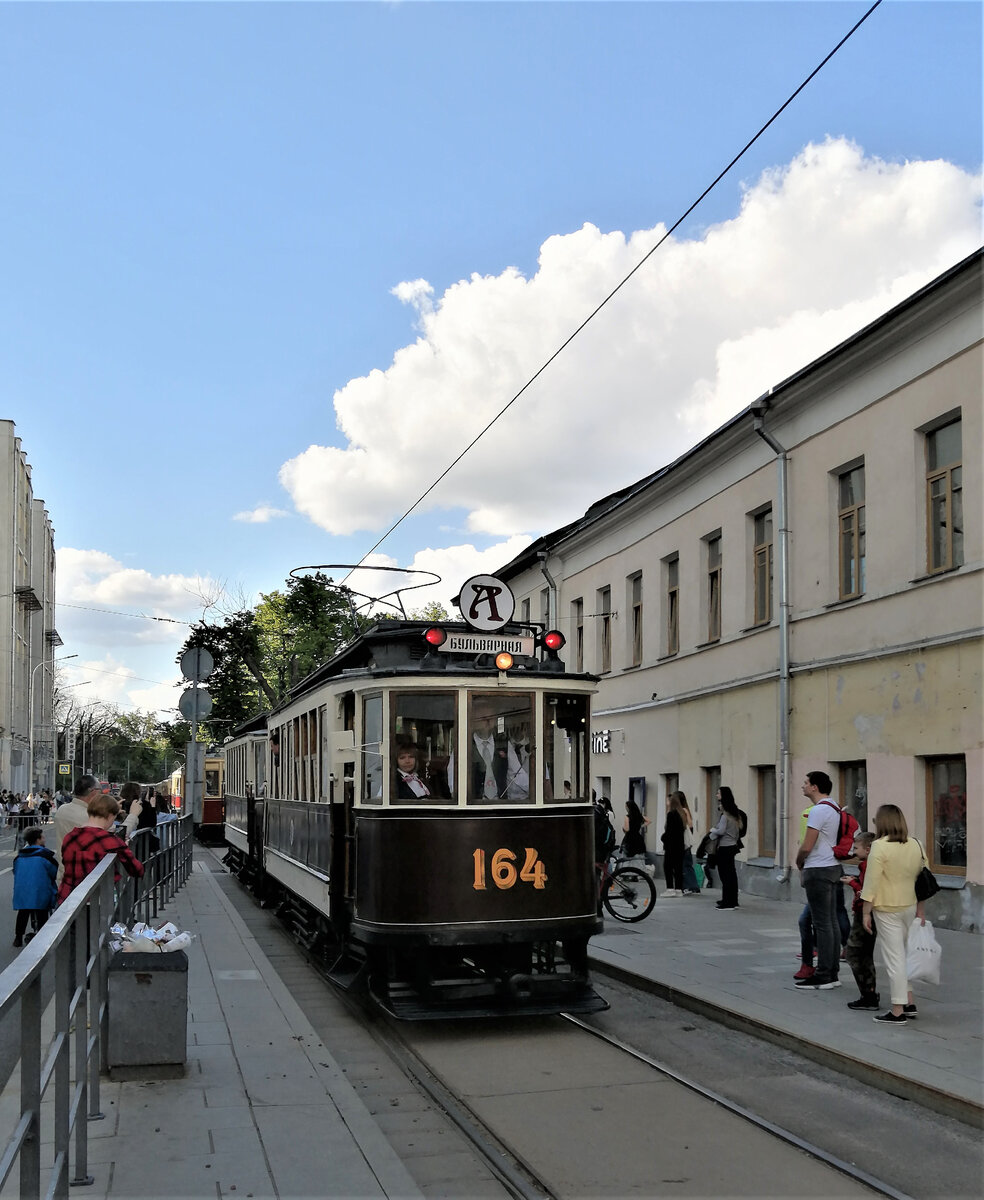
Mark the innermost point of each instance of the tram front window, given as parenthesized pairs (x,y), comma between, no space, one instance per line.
(565,742)
(500,748)
(422,742)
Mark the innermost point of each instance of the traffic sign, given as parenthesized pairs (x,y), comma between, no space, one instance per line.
(64,768)
(195,704)
(196,664)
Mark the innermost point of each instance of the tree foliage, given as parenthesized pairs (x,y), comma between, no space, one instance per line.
(262,652)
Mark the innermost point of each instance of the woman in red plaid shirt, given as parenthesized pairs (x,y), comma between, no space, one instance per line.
(84,847)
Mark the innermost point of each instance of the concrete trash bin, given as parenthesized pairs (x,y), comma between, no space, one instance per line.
(148,1015)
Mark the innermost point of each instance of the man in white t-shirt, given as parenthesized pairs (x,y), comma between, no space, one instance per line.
(821,872)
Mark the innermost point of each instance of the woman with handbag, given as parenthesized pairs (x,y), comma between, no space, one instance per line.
(726,835)
(673,838)
(889,898)
(691,884)
(634,828)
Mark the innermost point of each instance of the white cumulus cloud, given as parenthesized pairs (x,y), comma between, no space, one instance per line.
(818,248)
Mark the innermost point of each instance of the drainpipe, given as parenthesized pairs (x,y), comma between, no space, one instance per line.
(552,601)
(758,410)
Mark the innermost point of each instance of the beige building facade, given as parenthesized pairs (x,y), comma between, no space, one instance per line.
(27,624)
(820,556)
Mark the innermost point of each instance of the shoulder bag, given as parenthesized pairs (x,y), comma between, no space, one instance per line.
(926,884)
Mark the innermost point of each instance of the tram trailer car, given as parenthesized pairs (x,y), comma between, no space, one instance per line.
(210,829)
(406,812)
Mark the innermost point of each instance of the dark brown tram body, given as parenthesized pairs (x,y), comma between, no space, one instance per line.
(422,818)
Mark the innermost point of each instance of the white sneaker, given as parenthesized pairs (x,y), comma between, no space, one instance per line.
(672,892)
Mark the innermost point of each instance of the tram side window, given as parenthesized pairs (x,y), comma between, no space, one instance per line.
(501,761)
(424,731)
(565,746)
(212,787)
(372,750)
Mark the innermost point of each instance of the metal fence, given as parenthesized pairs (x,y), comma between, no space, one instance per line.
(68,1058)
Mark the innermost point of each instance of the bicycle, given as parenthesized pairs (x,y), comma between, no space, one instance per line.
(627,892)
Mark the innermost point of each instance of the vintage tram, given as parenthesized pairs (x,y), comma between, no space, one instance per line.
(419,812)
(209,827)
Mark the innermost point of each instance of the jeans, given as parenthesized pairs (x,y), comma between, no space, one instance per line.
(689,874)
(729,876)
(807,942)
(860,956)
(821,884)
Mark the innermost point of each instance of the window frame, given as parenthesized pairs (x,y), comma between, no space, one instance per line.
(634,588)
(605,630)
(766,809)
(715,563)
(930,762)
(854,513)
(944,473)
(763,554)
(860,813)
(671,595)
(577,621)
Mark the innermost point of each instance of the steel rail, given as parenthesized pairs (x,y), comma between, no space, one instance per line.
(738,1110)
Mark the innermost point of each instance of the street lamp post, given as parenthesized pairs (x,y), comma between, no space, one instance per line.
(30,713)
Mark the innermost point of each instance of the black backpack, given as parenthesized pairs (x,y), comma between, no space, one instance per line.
(604,835)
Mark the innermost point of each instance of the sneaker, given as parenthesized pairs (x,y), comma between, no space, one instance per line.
(910,1012)
(671,892)
(721,904)
(806,971)
(889,1018)
(817,982)
(17,943)
(864,1002)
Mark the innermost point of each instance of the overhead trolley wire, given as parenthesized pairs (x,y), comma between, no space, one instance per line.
(618,287)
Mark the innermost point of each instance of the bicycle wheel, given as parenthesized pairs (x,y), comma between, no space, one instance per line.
(629,894)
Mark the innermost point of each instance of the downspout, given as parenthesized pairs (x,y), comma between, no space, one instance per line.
(552,602)
(758,410)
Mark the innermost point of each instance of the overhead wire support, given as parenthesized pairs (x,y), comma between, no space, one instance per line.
(618,287)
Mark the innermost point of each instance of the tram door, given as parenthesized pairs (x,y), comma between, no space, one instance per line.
(341,797)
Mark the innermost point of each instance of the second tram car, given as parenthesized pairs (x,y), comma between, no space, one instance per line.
(420,812)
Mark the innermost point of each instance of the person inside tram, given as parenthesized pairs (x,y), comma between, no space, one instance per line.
(409,785)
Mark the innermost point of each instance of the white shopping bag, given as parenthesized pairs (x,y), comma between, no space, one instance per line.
(923,954)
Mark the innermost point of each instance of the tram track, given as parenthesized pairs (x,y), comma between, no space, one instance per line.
(557,1107)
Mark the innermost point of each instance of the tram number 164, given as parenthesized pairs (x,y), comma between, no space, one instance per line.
(504,872)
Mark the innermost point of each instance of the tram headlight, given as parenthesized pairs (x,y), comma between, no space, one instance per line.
(554,640)
(435,637)
(504,660)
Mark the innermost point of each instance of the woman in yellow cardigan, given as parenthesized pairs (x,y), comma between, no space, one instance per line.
(890,893)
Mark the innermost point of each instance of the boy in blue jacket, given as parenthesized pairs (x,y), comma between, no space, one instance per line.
(35,871)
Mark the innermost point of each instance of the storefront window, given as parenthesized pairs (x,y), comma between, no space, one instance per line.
(500,748)
(565,747)
(424,730)
(946,780)
(372,747)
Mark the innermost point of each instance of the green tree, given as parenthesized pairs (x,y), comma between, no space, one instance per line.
(434,611)
(261,653)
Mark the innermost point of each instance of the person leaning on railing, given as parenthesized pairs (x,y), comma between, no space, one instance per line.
(85,846)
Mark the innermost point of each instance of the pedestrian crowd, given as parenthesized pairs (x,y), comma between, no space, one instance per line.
(891,869)
(82,836)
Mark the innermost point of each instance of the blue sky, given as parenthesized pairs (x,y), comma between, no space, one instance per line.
(281,262)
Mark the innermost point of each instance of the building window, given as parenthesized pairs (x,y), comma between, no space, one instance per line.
(545,607)
(577,624)
(762,568)
(946,816)
(673,605)
(944,497)
(714,588)
(850,525)
(671,784)
(712,784)
(605,629)
(766,811)
(524,611)
(635,607)
(854,790)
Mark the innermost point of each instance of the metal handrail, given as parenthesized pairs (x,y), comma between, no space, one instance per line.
(76,938)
